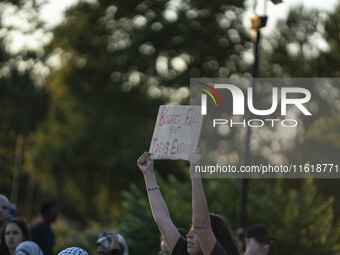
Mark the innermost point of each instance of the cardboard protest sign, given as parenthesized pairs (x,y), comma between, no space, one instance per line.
(176,132)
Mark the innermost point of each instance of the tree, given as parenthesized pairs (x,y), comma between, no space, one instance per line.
(295,51)
(300,220)
(119,61)
(23,100)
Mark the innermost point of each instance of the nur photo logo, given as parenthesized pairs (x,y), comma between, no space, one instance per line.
(270,109)
(204,96)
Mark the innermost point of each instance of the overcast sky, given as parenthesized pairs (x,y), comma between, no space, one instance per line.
(280,11)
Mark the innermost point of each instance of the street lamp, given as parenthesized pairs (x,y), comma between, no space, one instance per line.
(276,1)
(257,22)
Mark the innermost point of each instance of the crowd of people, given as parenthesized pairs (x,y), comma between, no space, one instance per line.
(16,237)
(209,233)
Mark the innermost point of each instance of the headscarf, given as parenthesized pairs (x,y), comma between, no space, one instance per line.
(123,246)
(73,251)
(28,248)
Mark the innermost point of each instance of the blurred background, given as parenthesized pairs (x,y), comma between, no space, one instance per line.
(80,87)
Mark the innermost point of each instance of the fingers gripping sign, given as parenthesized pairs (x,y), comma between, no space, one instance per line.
(144,163)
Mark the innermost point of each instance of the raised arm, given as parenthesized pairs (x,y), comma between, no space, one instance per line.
(158,206)
(200,214)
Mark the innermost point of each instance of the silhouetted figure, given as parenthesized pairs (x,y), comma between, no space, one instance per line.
(42,232)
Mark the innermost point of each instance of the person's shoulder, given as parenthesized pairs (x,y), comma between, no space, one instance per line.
(36,226)
(180,247)
(40,227)
(218,249)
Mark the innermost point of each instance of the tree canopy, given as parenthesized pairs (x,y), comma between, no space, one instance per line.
(86,105)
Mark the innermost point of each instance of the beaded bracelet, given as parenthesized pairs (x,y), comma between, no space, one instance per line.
(154,188)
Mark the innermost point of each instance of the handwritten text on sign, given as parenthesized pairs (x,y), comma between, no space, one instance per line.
(176,132)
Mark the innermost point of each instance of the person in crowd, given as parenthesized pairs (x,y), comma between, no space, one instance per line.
(240,239)
(28,248)
(209,234)
(4,211)
(258,241)
(73,251)
(15,232)
(42,232)
(13,210)
(111,243)
(164,249)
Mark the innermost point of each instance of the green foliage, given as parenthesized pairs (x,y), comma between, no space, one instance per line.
(68,234)
(330,59)
(325,134)
(294,51)
(299,219)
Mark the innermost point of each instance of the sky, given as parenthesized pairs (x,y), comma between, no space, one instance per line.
(281,10)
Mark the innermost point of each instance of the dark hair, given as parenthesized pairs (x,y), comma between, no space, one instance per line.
(223,233)
(46,206)
(182,232)
(22,225)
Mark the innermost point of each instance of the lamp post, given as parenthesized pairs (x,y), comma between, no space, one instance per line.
(257,22)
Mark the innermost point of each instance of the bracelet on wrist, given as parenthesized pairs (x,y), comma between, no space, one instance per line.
(153,188)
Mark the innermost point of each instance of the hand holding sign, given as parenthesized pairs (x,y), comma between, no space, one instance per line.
(144,163)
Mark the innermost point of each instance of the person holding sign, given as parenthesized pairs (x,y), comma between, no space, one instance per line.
(209,234)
